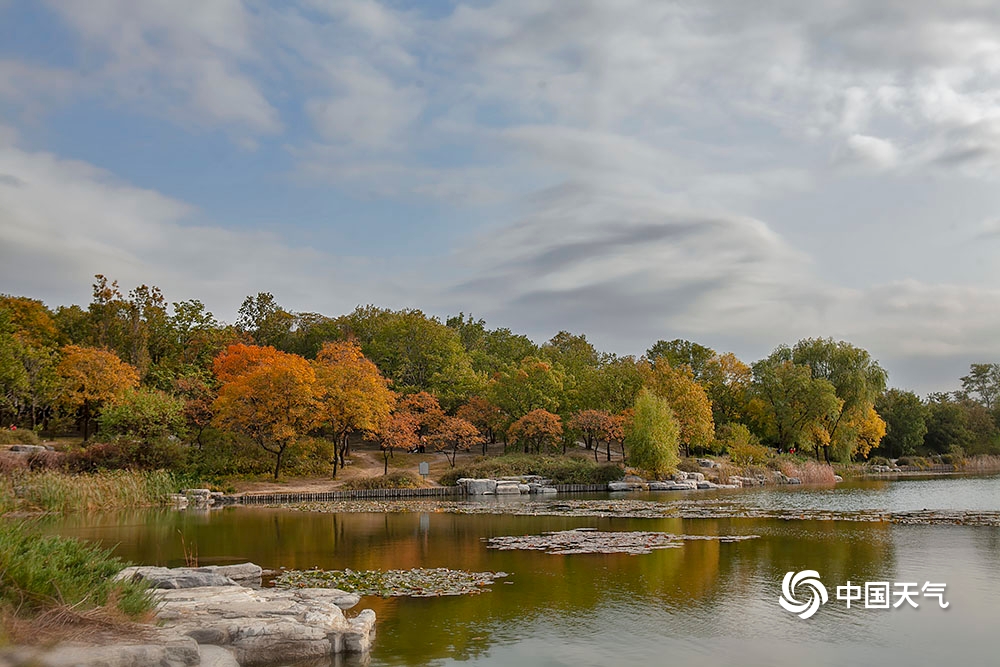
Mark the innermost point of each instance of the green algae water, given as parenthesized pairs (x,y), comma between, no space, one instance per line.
(704,603)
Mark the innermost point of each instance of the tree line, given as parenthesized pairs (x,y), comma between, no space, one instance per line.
(132,365)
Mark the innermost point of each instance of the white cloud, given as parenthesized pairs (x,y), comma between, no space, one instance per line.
(873,151)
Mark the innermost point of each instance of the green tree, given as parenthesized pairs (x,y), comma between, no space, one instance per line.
(532,385)
(679,352)
(792,406)
(983,382)
(687,400)
(143,413)
(491,350)
(905,420)
(653,435)
(858,381)
(947,425)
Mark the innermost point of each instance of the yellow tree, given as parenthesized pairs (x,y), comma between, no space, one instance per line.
(727,382)
(273,402)
(869,432)
(687,400)
(89,378)
(354,395)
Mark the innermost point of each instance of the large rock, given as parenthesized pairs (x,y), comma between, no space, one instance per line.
(508,487)
(243,574)
(168,651)
(619,486)
(479,487)
(265,626)
(660,486)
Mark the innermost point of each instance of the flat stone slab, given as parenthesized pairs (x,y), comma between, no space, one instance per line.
(242,574)
(174,651)
(266,626)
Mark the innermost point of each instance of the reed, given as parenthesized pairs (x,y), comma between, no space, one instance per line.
(53,491)
(809,472)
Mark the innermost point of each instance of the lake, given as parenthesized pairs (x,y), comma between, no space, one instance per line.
(705,603)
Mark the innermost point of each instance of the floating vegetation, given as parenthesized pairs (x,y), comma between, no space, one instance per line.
(589,541)
(712,508)
(418,582)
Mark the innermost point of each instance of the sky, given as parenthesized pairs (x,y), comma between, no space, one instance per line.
(739,174)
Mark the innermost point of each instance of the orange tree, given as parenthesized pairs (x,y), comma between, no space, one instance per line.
(272,399)
(536,429)
(89,378)
(484,416)
(353,394)
(454,433)
(598,425)
(399,431)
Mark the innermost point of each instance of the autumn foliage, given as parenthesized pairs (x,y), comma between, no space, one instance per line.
(90,377)
(538,430)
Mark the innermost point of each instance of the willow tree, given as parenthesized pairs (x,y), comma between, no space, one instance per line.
(652,435)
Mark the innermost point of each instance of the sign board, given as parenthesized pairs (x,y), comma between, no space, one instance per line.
(425,468)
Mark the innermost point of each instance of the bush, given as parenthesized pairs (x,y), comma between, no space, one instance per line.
(145,414)
(918,462)
(688,465)
(394,480)
(39,572)
(809,472)
(879,461)
(21,436)
(127,453)
(559,469)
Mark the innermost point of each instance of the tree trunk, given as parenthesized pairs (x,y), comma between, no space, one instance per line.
(623,451)
(385,457)
(86,419)
(596,448)
(609,452)
(277,462)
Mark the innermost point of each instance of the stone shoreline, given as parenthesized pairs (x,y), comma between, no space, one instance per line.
(206,619)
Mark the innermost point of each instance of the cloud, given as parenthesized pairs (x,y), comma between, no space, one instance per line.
(872,151)
(62,221)
(184,59)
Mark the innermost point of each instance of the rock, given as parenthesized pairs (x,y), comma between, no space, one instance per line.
(838,478)
(706,485)
(174,578)
(683,486)
(267,626)
(793,480)
(479,487)
(216,656)
(660,486)
(524,488)
(619,486)
(170,651)
(679,476)
(507,488)
(696,476)
(27,449)
(549,489)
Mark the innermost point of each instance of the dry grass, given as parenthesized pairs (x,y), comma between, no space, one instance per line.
(983,464)
(60,492)
(65,623)
(809,472)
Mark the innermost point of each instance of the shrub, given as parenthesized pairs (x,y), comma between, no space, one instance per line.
(879,461)
(809,472)
(559,469)
(394,480)
(21,436)
(653,435)
(689,465)
(145,414)
(40,572)
(128,453)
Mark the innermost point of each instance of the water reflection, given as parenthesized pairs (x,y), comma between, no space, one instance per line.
(704,603)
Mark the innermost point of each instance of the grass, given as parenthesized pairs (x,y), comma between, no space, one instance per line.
(559,469)
(983,463)
(53,491)
(394,480)
(50,582)
(21,436)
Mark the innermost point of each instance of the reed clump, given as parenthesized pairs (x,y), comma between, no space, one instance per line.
(54,491)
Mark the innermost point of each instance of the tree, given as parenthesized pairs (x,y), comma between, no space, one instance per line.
(484,416)
(262,318)
(353,394)
(491,351)
(983,381)
(870,430)
(531,385)
(273,402)
(653,435)
(678,352)
(615,385)
(727,382)
(198,395)
(143,413)
(688,401)
(89,378)
(416,352)
(539,429)
(595,426)
(905,422)
(947,425)
(454,434)
(858,381)
(399,431)
(791,404)
(425,409)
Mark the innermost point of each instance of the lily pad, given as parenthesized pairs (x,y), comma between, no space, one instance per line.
(417,582)
(590,541)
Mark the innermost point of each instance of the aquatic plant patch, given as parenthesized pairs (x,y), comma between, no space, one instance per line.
(589,541)
(417,582)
